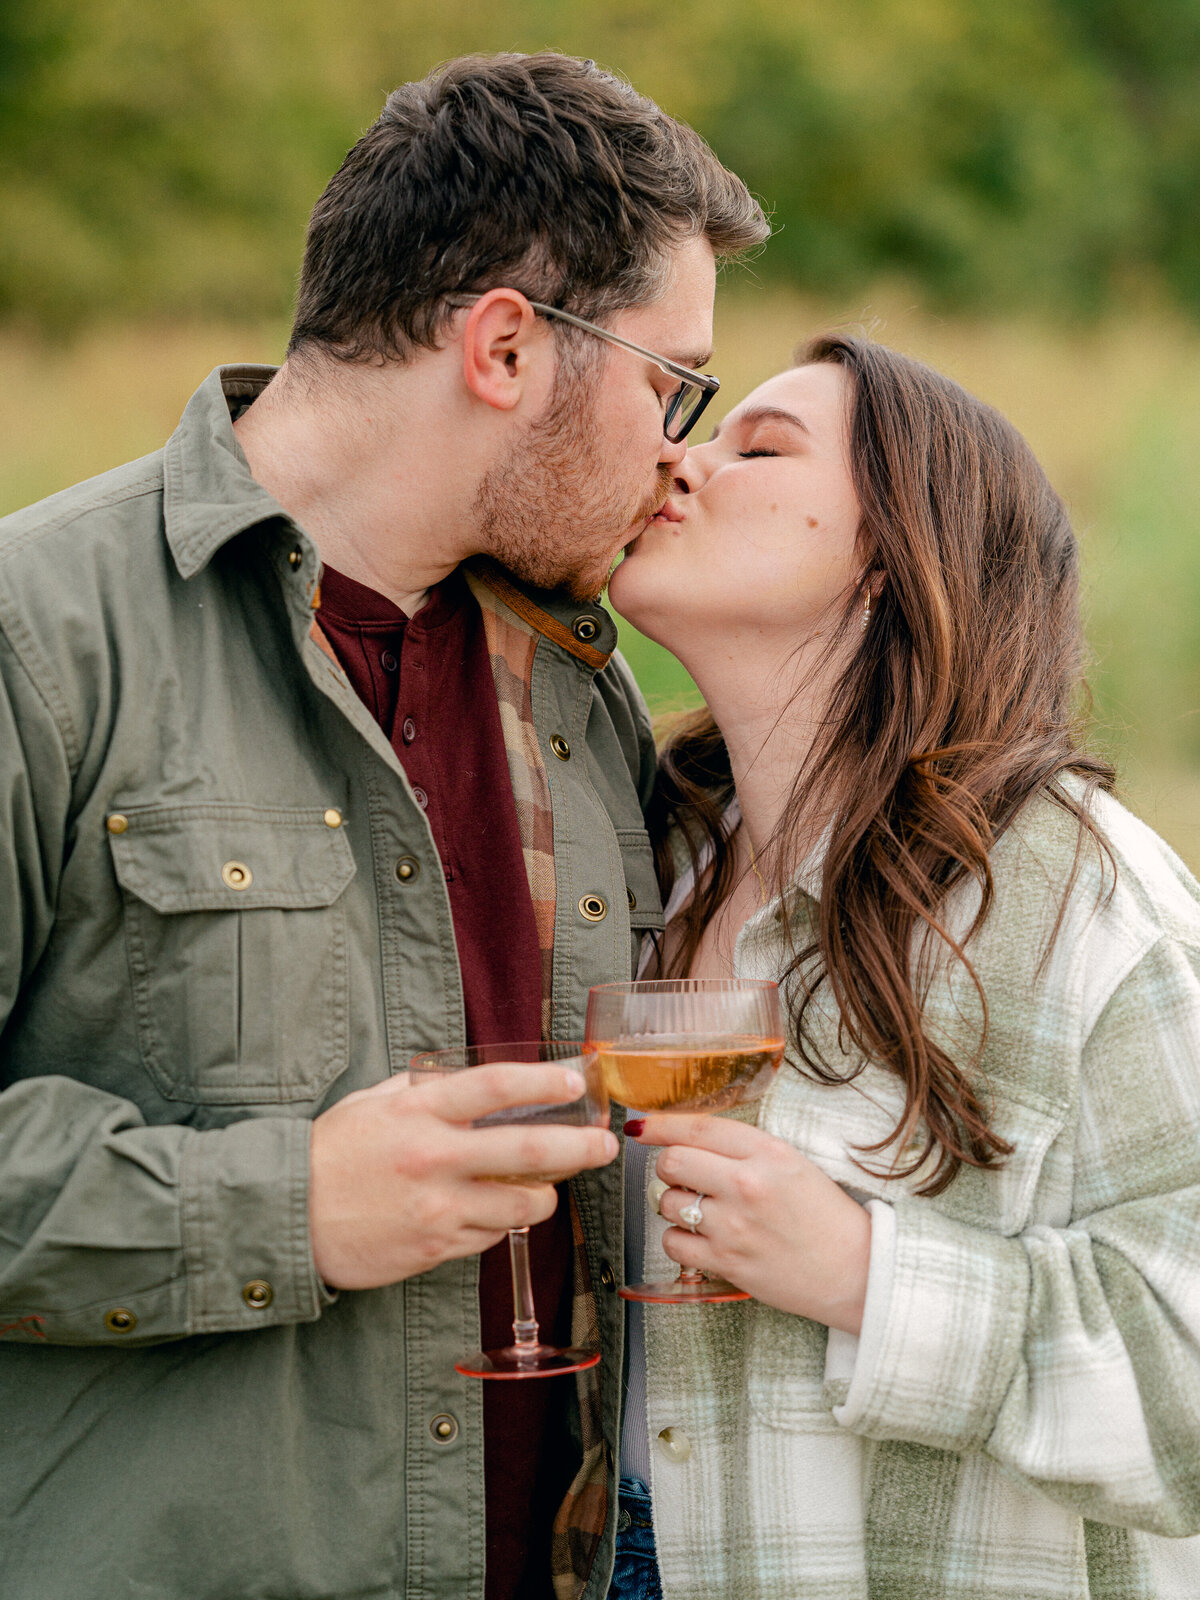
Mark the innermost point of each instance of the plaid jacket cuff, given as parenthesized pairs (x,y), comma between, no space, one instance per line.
(941,1335)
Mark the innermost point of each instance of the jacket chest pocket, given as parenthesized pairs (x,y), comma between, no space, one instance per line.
(237,949)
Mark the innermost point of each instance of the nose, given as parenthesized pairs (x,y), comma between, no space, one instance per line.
(688,473)
(672,453)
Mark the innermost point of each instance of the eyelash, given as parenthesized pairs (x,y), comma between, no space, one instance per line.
(748,455)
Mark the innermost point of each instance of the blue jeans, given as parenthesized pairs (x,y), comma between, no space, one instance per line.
(635,1576)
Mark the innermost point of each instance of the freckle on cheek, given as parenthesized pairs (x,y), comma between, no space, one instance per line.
(812,521)
(774,507)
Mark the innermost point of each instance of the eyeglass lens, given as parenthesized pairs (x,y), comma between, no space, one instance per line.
(683,408)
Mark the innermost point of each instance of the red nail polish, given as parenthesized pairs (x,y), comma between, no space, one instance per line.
(634,1126)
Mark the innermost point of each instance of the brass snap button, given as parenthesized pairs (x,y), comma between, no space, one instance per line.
(675,1444)
(333,818)
(607,1276)
(592,908)
(258,1294)
(408,869)
(117,823)
(444,1428)
(236,875)
(560,747)
(585,629)
(295,557)
(632,898)
(118,1320)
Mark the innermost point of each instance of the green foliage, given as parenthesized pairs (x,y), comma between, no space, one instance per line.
(1040,153)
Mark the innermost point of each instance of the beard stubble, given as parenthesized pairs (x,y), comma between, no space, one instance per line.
(556,513)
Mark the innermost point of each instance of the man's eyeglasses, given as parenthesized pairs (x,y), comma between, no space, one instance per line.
(683,408)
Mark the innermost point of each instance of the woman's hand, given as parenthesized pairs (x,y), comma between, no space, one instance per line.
(773,1223)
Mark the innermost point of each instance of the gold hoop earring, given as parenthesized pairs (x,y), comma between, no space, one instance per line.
(866,616)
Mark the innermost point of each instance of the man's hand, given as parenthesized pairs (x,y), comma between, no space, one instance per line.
(396,1172)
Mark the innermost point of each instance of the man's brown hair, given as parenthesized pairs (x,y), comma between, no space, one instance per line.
(539,172)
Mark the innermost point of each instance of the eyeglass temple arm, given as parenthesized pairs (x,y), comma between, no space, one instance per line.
(702,380)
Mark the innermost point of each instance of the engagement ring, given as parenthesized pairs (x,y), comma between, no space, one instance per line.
(691,1215)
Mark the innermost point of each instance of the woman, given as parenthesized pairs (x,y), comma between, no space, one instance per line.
(969,1216)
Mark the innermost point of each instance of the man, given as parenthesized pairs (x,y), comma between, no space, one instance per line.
(314,753)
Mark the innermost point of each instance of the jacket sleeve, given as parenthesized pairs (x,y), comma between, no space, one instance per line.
(1070,1355)
(112,1231)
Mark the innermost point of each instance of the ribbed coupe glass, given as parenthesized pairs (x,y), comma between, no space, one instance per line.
(685,1044)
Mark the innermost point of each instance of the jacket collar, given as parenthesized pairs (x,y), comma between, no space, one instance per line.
(209,494)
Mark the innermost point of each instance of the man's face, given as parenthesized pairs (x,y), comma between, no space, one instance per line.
(584,479)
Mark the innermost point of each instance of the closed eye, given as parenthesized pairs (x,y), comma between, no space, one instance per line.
(748,455)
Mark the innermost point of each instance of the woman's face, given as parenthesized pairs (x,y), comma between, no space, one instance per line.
(761,532)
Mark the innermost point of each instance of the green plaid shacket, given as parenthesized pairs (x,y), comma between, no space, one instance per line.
(1020,1416)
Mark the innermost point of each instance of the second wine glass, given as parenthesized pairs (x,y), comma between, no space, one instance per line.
(527,1356)
(685,1044)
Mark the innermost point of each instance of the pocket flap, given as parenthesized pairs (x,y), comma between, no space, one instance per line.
(230,857)
(641,880)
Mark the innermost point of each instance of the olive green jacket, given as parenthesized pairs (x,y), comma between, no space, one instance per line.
(221,909)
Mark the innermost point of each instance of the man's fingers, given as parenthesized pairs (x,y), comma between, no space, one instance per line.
(495,1206)
(467,1096)
(545,1150)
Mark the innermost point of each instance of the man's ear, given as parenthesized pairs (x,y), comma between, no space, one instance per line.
(501,341)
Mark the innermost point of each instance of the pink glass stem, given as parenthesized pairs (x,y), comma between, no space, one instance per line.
(525,1326)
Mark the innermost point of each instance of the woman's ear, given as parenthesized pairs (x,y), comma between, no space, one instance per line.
(501,345)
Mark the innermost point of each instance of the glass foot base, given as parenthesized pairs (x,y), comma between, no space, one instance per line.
(681,1291)
(535,1361)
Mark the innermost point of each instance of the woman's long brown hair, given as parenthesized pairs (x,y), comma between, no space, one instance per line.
(957,706)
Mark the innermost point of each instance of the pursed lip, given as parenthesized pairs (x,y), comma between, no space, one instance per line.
(669,511)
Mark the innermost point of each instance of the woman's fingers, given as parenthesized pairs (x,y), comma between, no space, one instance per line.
(684,1167)
(718,1134)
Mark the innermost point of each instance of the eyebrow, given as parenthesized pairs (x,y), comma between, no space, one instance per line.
(695,362)
(764,414)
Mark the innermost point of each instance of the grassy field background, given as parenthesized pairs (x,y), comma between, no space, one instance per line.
(1112,410)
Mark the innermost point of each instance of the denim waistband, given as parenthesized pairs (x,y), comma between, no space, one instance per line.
(635,1573)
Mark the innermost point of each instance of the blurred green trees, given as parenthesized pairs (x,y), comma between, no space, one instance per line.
(1039,153)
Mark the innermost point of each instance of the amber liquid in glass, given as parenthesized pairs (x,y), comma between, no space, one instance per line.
(688,1071)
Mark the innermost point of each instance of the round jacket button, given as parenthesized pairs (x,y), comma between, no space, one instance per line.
(444,1428)
(675,1444)
(258,1294)
(593,908)
(387,661)
(607,1276)
(632,898)
(408,869)
(117,823)
(585,629)
(236,875)
(409,730)
(295,557)
(560,747)
(333,819)
(118,1320)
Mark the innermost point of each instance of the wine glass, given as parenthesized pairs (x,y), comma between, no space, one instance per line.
(527,1356)
(685,1044)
